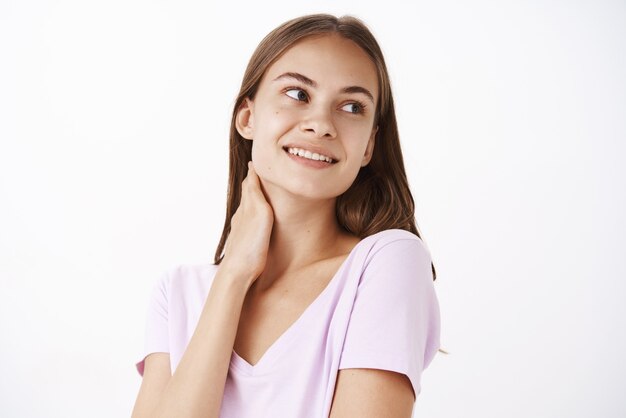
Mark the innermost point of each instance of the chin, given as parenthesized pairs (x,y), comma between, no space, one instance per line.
(303,189)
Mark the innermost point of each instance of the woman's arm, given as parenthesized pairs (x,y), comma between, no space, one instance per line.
(197,386)
(372,393)
(156,374)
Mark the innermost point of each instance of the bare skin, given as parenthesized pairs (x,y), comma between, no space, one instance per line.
(284,239)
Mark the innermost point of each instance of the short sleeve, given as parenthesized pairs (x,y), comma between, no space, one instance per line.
(156,338)
(395,322)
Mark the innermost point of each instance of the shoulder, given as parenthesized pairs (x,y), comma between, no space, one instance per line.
(186,278)
(396,258)
(188,273)
(395,245)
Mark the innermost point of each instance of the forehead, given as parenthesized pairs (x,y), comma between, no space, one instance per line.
(330,60)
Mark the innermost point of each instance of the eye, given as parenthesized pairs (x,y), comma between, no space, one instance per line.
(297,94)
(355,108)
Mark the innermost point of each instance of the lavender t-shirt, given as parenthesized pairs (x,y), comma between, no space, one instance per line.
(379,311)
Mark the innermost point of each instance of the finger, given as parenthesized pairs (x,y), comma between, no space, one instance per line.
(253,183)
(244,182)
(248,175)
(252,175)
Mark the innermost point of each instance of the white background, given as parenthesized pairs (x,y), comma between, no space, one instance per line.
(113,162)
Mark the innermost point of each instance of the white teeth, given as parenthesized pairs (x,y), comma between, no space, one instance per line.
(309,155)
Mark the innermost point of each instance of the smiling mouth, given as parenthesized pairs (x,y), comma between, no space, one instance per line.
(314,156)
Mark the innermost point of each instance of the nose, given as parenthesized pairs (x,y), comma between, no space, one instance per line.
(319,122)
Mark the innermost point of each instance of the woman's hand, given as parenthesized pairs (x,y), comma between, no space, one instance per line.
(245,252)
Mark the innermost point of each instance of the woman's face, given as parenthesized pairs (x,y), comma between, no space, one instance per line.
(317,101)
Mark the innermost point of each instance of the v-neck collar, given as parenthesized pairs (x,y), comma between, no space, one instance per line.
(274,352)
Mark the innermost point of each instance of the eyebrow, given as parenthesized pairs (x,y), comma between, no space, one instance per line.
(306,80)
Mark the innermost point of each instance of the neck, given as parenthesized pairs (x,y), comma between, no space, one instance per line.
(304,231)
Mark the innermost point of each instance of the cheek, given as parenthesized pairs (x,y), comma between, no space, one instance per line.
(356,139)
(265,152)
(270,127)
(260,156)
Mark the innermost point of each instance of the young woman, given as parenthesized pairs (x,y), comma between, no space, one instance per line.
(320,301)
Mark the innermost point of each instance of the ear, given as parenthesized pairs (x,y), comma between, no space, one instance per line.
(369,150)
(244,122)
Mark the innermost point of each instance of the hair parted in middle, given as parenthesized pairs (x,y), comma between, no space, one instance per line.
(379,198)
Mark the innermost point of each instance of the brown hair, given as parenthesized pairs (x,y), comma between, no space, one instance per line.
(379,198)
